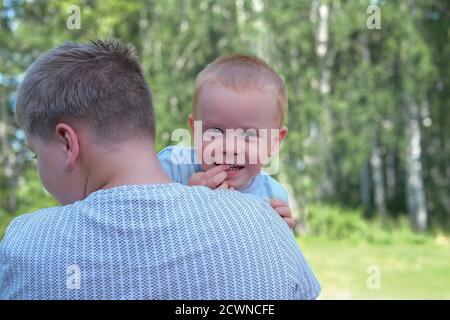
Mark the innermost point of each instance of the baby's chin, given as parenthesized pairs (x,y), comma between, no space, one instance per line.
(238,184)
(240,179)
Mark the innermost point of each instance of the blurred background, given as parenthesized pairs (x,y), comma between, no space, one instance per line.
(366,160)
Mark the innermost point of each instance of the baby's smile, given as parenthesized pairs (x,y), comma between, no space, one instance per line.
(233,167)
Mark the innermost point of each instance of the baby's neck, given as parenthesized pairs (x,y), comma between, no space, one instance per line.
(246,185)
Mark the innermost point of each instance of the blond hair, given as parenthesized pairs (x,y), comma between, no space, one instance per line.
(242,72)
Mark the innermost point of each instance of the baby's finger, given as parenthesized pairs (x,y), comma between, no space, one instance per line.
(285,212)
(224,185)
(277,203)
(216,170)
(217,180)
(198,179)
(290,222)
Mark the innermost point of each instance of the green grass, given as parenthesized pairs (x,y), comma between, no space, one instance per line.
(408,270)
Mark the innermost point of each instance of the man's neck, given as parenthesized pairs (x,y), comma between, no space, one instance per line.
(131,163)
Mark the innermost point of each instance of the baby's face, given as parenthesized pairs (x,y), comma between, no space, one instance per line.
(244,113)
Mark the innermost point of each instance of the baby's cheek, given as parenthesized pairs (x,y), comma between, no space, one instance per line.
(253,170)
(212,151)
(257,153)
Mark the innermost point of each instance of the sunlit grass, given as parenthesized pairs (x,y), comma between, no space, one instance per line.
(408,271)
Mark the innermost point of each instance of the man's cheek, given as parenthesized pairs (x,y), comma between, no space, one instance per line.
(45,179)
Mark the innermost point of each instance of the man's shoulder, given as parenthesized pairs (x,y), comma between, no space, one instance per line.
(27,227)
(38,215)
(222,195)
(238,205)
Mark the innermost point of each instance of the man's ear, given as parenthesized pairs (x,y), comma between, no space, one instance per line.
(69,141)
(277,140)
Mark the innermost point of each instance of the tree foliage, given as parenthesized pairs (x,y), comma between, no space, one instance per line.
(352,108)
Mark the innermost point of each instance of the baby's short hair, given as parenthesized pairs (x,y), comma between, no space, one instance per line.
(242,72)
(99,83)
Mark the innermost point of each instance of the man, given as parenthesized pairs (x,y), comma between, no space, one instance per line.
(125,230)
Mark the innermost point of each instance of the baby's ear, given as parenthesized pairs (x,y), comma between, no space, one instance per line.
(277,139)
(191,122)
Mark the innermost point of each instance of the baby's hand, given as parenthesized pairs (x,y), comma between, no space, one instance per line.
(283,210)
(213,178)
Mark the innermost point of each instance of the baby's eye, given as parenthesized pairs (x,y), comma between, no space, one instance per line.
(212,133)
(214,130)
(250,133)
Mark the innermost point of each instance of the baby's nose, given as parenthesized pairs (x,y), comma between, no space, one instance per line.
(234,150)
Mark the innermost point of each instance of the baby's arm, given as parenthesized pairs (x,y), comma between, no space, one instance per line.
(282,208)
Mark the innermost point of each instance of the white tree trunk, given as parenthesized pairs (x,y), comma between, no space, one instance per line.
(364,187)
(8,158)
(320,14)
(391,181)
(415,194)
(378,181)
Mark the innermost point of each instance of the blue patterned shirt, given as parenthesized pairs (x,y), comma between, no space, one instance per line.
(165,241)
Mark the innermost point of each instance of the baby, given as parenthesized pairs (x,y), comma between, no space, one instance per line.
(239,106)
